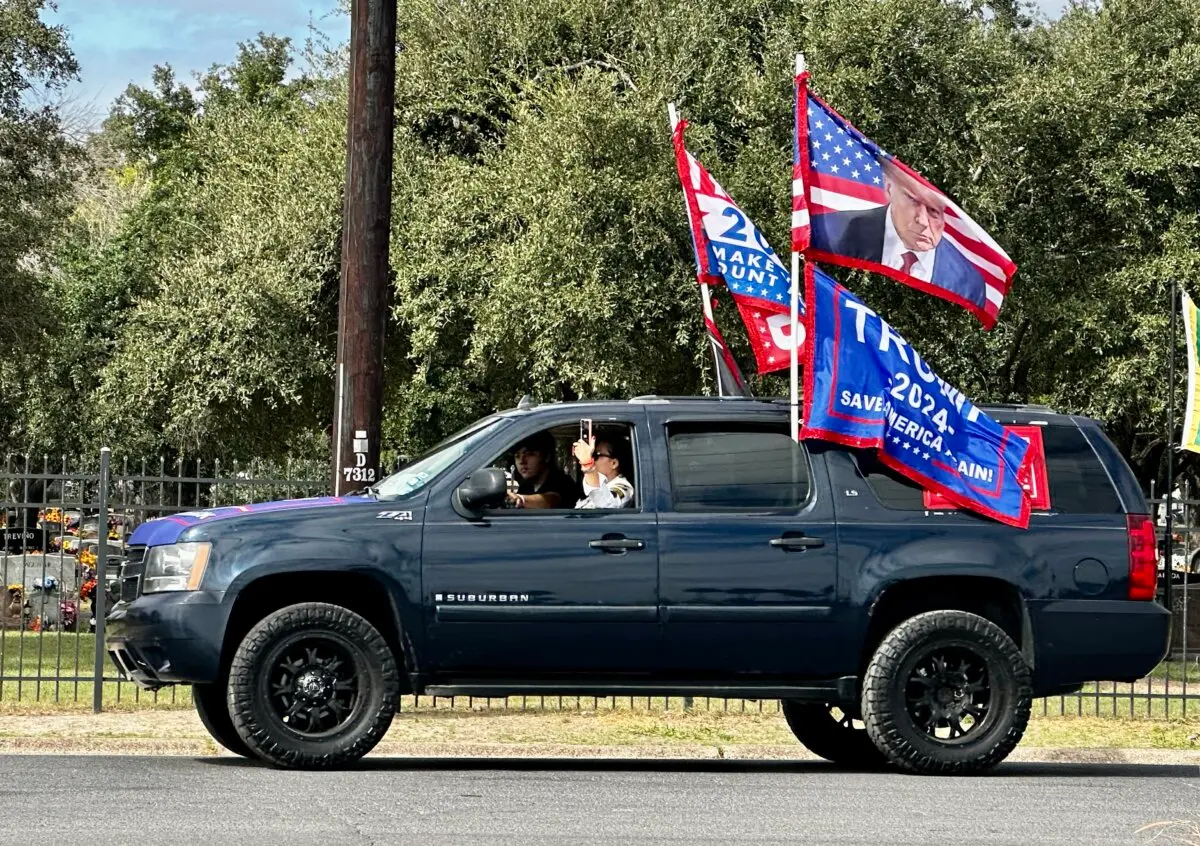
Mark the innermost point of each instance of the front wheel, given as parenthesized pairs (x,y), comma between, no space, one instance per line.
(836,737)
(947,692)
(313,686)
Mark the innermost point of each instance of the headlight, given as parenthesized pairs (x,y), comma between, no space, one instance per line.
(177,566)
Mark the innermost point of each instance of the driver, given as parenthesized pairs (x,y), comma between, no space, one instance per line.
(540,484)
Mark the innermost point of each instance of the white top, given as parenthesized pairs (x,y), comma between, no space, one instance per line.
(617,493)
(894,249)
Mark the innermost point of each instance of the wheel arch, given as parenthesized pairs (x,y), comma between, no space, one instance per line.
(363,593)
(992,598)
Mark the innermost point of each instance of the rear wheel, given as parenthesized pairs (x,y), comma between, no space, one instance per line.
(313,686)
(213,710)
(833,734)
(947,692)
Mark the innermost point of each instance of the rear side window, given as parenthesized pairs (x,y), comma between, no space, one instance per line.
(734,467)
(891,489)
(1078,481)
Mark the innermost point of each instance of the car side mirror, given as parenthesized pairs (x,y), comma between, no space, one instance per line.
(485,488)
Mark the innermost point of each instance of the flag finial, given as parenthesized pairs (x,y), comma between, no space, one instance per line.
(800,65)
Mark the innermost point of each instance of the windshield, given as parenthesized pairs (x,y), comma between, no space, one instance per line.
(430,465)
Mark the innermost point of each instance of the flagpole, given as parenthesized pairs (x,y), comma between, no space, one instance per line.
(1170,446)
(704,295)
(795,305)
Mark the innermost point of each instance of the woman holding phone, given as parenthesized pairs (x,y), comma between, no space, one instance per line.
(601,463)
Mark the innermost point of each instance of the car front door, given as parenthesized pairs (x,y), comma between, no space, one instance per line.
(748,552)
(554,591)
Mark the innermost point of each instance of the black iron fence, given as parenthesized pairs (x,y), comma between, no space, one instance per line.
(64,528)
(65,525)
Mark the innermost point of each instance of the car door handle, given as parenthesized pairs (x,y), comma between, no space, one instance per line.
(796,542)
(616,544)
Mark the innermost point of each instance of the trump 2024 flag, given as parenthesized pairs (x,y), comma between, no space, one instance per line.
(865,386)
(857,206)
(731,251)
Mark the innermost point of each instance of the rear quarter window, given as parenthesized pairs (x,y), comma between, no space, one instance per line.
(1078,481)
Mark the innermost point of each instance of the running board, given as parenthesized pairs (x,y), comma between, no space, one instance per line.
(844,689)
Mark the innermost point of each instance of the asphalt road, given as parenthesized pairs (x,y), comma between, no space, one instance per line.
(216,801)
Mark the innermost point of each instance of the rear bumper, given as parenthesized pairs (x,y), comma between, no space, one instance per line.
(1097,640)
(170,638)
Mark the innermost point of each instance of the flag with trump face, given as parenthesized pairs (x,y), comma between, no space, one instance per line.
(732,252)
(858,206)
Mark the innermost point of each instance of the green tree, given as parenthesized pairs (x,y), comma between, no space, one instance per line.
(35,161)
(36,164)
(147,124)
(538,238)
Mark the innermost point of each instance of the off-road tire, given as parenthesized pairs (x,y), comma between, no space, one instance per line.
(212,706)
(824,734)
(255,675)
(892,674)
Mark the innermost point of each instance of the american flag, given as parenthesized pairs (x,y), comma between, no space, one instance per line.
(838,169)
(731,251)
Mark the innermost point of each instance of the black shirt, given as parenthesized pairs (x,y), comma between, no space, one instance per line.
(557,482)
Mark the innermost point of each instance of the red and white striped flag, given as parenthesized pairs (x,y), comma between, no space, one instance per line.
(857,206)
(732,252)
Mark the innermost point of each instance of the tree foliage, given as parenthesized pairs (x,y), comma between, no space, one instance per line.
(539,243)
(35,163)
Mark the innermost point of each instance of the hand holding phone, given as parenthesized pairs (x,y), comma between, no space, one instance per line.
(587,442)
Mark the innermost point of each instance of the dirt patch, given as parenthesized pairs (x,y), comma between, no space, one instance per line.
(622,733)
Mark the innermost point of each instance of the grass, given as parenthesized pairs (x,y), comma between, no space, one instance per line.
(461,731)
(1107,714)
(54,671)
(1177,671)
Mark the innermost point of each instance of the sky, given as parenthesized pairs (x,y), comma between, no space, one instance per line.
(120,41)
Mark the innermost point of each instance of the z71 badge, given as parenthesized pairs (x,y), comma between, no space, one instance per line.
(394,515)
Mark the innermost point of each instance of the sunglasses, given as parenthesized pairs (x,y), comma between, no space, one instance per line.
(602,455)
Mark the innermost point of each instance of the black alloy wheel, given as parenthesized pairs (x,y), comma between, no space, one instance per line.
(947,692)
(312,683)
(949,695)
(313,686)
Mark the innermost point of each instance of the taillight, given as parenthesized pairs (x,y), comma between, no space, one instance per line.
(1143,557)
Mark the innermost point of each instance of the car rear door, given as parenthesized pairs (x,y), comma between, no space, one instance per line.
(748,550)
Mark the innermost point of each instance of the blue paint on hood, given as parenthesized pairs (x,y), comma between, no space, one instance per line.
(165,530)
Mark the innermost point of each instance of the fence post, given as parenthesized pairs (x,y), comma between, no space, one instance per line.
(101,582)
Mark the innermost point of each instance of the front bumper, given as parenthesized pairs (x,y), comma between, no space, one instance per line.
(1080,641)
(169,638)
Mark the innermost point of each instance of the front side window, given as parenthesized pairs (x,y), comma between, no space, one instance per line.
(736,467)
(545,473)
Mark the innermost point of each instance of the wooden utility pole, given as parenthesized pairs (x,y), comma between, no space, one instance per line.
(366,221)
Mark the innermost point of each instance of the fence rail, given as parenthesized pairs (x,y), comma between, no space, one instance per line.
(65,525)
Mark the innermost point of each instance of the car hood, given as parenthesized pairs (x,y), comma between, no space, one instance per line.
(164,530)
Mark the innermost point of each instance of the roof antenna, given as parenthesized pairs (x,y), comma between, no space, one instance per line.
(526,402)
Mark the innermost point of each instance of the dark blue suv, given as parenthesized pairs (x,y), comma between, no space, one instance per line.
(895,630)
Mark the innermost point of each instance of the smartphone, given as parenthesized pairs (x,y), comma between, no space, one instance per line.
(585,430)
